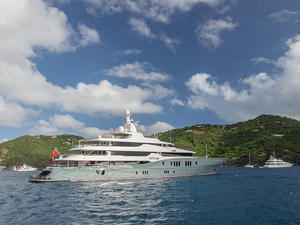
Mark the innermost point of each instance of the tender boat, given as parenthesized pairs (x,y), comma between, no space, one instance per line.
(24,167)
(124,155)
(273,162)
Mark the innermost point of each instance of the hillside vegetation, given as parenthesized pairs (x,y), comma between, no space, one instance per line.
(257,137)
(34,150)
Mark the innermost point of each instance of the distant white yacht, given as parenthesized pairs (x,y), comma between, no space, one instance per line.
(126,154)
(273,162)
(249,165)
(2,168)
(24,167)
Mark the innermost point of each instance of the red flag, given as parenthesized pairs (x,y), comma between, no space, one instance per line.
(55,153)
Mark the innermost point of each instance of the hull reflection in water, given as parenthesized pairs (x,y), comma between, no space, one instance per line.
(126,155)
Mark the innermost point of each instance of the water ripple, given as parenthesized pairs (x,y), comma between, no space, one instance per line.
(235,196)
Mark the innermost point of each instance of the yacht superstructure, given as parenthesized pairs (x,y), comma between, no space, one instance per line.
(126,154)
(273,162)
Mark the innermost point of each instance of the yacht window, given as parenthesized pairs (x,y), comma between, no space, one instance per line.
(196,162)
(163,163)
(136,172)
(103,172)
(171,163)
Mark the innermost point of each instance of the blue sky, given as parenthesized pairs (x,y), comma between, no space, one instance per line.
(69,66)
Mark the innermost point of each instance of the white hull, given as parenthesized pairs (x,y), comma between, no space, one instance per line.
(277,166)
(24,168)
(249,166)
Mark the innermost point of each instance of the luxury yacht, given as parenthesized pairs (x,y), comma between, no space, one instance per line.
(273,162)
(124,155)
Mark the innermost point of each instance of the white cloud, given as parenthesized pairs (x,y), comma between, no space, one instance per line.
(199,84)
(261,60)
(160,11)
(43,127)
(283,15)
(132,51)
(29,25)
(157,127)
(158,91)
(170,42)
(12,114)
(263,94)
(140,26)
(60,124)
(176,101)
(3,140)
(137,71)
(209,33)
(65,121)
(88,35)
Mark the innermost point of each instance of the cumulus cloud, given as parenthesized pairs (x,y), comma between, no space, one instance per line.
(283,15)
(157,127)
(88,35)
(209,33)
(262,93)
(176,101)
(140,26)
(63,123)
(137,71)
(12,114)
(158,91)
(29,25)
(160,11)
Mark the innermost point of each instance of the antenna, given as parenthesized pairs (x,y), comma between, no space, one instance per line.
(206,151)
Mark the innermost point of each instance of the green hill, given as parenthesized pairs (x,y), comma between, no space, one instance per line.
(34,150)
(259,137)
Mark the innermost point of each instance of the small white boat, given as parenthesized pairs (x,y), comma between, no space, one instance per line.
(24,167)
(249,165)
(2,168)
(273,162)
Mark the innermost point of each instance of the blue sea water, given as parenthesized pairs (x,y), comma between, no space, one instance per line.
(232,196)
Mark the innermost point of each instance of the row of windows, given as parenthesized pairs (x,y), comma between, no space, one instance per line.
(167,171)
(175,163)
(188,163)
(143,172)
